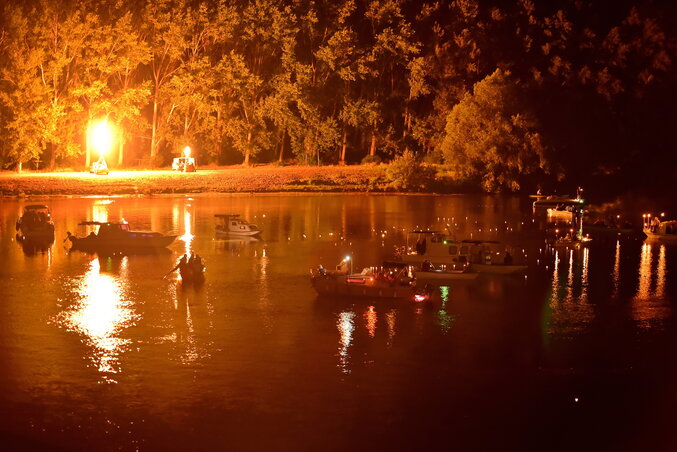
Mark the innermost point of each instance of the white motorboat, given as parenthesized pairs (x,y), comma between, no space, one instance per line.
(232,224)
(664,230)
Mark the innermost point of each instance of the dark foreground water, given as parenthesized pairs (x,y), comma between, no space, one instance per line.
(101,353)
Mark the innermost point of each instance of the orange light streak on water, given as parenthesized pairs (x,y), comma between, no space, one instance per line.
(371,317)
(99,315)
(346,327)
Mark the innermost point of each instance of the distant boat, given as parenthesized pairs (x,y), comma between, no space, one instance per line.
(367,284)
(232,224)
(665,231)
(481,256)
(119,236)
(35,223)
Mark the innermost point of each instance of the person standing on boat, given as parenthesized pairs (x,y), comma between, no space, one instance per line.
(655,224)
(182,264)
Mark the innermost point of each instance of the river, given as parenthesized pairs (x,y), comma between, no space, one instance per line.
(103,353)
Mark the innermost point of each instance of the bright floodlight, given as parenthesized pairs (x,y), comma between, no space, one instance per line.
(347,258)
(186,151)
(101,135)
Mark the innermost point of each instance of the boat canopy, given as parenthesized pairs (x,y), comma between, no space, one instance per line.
(101,223)
(36,207)
(227,215)
(424,232)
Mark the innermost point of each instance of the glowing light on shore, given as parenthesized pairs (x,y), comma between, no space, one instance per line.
(101,135)
(186,151)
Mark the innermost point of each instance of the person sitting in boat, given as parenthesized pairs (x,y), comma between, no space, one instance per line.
(421,246)
(507,260)
(321,270)
(196,264)
(427,266)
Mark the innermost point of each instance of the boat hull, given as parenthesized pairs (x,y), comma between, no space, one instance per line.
(671,238)
(333,285)
(126,243)
(445,276)
(238,233)
(498,269)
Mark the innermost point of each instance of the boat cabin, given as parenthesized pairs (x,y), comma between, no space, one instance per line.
(233,224)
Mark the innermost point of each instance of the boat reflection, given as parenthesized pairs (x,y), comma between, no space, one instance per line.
(568,299)
(32,246)
(100,314)
(649,305)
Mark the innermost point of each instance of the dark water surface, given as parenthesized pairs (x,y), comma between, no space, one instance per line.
(101,353)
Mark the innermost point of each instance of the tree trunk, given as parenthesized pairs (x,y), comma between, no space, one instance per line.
(52,157)
(153,136)
(344,146)
(19,167)
(283,134)
(247,150)
(121,151)
(88,150)
(372,149)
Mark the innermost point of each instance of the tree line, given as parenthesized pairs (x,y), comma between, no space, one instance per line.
(500,93)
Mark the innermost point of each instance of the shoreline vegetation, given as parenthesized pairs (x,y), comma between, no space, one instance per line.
(232,179)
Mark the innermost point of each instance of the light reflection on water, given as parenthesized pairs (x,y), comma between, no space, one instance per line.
(649,306)
(571,310)
(256,332)
(100,314)
(346,327)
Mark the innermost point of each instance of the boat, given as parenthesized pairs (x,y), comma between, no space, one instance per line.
(118,236)
(473,256)
(555,201)
(662,230)
(441,275)
(564,211)
(191,275)
(368,284)
(35,223)
(232,224)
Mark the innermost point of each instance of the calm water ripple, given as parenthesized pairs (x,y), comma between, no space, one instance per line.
(106,353)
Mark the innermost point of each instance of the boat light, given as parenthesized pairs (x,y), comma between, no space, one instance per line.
(347,258)
(186,151)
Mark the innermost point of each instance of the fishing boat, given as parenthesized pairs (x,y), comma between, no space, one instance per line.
(664,230)
(35,223)
(368,284)
(475,256)
(118,236)
(232,224)
(192,275)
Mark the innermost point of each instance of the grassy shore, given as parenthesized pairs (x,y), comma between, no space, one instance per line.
(258,179)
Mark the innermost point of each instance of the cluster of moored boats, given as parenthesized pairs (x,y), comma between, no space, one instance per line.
(436,259)
(36,224)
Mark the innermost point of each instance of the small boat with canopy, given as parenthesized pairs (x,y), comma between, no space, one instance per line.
(119,236)
(232,224)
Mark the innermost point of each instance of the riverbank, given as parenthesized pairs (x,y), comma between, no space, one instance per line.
(236,179)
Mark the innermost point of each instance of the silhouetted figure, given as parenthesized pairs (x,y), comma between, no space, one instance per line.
(427,266)
(507,260)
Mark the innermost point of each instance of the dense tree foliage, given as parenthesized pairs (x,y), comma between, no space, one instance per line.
(510,94)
